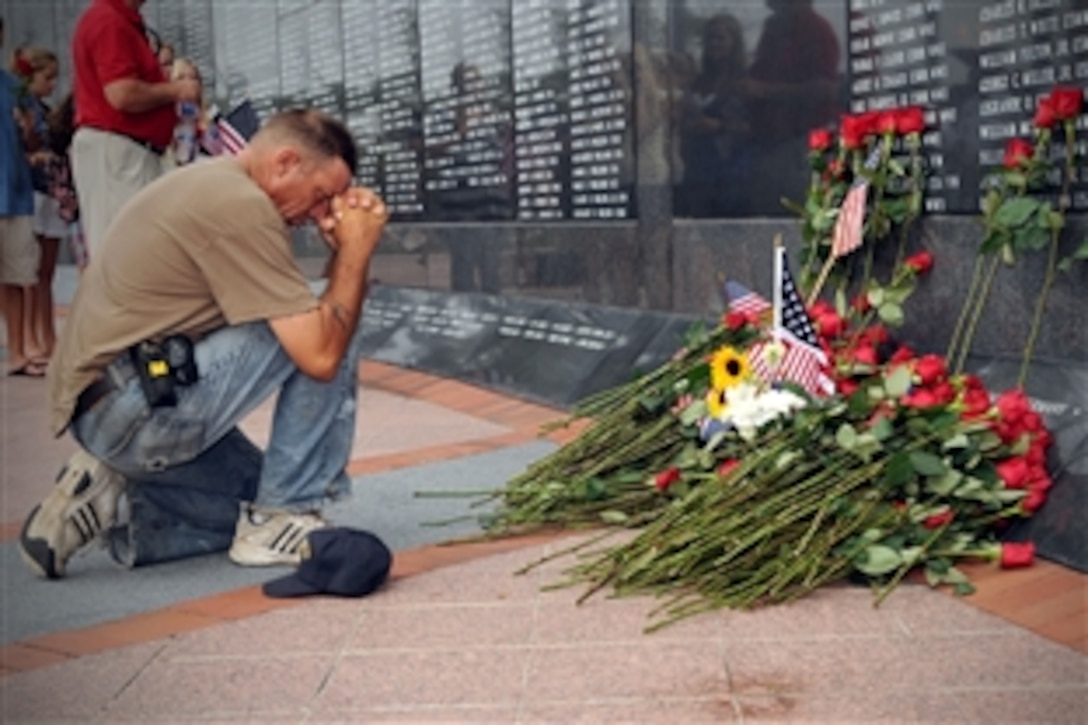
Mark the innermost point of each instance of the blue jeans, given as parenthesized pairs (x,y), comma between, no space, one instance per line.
(188,467)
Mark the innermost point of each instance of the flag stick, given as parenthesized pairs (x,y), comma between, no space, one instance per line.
(821,279)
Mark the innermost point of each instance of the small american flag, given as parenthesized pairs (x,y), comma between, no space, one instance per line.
(848,233)
(741,299)
(795,355)
(236,128)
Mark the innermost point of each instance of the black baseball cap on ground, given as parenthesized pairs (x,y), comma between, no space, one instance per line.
(340,561)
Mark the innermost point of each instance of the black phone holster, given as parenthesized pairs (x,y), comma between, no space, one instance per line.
(163,367)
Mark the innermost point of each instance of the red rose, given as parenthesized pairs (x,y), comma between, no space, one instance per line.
(1036,454)
(819,307)
(1017,153)
(1013,471)
(1067,102)
(819,139)
(936,521)
(847,387)
(930,369)
(920,263)
(736,320)
(666,478)
(854,131)
(830,325)
(944,392)
(973,382)
(1031,421)
(901,355)
(1009,433)
(910,120)
(885,122)
(1014,554)
(864,354)
(727,467)
(1034,500)
(1044,114)
(976,404)
(1038,478)
(1013,405)
(921,398)
(874,335)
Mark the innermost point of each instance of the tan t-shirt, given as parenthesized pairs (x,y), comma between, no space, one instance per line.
(199,248)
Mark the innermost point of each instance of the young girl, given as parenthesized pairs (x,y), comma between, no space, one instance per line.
(191,135)
(37,69)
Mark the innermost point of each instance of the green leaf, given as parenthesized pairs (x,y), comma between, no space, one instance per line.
(882,430)
(876,296)
(877,560)
(890,313)
(927,464)
(898,471)
(1016,211)
(959,440)
(846,436)
(944,484)
(614,518)
(898,382)
(691,414)
(962,589)
(1031,239)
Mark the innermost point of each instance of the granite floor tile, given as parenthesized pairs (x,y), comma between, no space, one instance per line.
(315,629)
(389,679)
(448,714)
(222,687)
(78,688)
(665,711)
(444,626)
(646,669)
(829,613)
(1060,706)
(492,579)
(809,668)
(924,611)
(865,706)
(602,619)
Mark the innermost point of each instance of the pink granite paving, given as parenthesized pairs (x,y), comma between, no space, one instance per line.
(498,648)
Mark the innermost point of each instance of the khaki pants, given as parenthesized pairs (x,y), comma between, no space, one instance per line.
(19,252)
(108,169)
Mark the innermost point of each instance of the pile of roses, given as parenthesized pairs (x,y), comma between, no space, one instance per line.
(907,466)
(744,492)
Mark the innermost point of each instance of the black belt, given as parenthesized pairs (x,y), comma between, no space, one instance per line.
(113,378)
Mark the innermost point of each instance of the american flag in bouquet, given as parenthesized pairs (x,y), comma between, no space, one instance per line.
(235,128)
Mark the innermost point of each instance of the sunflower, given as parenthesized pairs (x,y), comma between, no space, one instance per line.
(728,368)
(716,403)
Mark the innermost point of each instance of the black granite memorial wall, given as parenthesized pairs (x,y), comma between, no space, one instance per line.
(628,152)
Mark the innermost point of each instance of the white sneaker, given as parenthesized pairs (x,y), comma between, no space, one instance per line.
(266,537)
(81,509)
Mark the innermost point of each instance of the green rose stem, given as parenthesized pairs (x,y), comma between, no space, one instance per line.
(878,218)
(976,315)
(914,206)
(961,320)
(910,564)
(1052,255)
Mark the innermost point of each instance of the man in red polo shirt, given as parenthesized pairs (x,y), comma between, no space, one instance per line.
(125,111)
